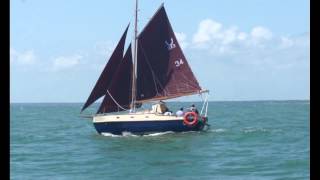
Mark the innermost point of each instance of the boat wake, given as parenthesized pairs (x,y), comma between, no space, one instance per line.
(124,134)
(159,134)
(263,130)
(110,135)
(217,130)
(129,134)
(253,130)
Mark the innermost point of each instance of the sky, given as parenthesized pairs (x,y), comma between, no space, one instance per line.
(239,50)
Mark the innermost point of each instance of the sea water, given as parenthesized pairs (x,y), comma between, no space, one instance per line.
(246,140)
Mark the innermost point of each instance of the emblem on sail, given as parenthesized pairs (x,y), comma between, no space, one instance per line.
(178,62)
(170,45)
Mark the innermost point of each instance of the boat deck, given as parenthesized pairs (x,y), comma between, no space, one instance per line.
(139,116)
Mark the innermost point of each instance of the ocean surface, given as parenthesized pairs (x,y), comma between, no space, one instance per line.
(247,140)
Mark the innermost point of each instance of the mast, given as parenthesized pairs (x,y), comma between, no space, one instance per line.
(133,95)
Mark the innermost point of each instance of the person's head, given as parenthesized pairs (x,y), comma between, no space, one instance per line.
(181,109)
(192,105)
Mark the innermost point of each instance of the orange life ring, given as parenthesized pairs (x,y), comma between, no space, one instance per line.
(190,115)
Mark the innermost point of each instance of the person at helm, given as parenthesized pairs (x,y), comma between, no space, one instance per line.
(194,109)
(180,112)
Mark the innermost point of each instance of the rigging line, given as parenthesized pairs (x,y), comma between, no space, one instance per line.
(116,101)
(150,67)
(155,78)
(204,103)
(152,72)
(157,81)
(163,89)
(193,83)
(188,81)
(207,108)
(201,97)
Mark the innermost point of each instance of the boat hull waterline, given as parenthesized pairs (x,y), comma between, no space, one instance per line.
(140,125)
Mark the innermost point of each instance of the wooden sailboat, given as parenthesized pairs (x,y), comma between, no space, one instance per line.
(155,69)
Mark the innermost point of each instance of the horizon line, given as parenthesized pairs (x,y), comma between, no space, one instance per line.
(171,101)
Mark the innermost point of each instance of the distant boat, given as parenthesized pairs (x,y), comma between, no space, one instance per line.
(157,71)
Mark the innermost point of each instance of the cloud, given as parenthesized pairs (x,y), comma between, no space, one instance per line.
(253,67)
(252,64)
(212,34)
(302,40)
(104,48)
(22,58)
(66,62)
(208,30)
(261,33)
(182,39)
(259,47)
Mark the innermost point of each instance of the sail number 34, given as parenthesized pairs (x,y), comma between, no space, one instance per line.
(178,62)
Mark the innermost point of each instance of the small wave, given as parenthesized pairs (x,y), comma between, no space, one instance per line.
(251,130)
(159,133)
(218,130)
(124,134)
(129,134)
(267,130)
(188,132)
(110,135)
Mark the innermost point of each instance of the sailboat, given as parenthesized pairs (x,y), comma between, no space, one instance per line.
(153,70)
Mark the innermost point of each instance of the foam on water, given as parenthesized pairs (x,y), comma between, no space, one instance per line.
(252,129)
(129,134)
(110,135)
(218,130)
(159,134)
(124,134)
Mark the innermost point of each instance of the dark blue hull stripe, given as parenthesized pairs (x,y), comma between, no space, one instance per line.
(144,127)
